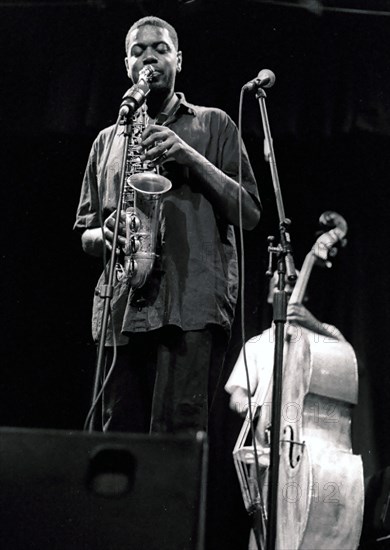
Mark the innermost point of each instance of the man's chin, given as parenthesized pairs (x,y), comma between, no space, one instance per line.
(158,83)
(159,89)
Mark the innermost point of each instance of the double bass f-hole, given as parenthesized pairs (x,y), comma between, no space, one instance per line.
(293,448)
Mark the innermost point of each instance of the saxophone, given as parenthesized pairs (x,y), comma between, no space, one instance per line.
(141,203)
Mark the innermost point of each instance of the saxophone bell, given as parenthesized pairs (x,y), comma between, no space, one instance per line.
(142,225)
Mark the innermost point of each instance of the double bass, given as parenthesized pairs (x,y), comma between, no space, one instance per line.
(320,488)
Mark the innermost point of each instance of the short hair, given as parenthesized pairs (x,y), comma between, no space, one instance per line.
(154,22)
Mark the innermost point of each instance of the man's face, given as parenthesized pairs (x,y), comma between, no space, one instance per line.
(151,45)
(273,287)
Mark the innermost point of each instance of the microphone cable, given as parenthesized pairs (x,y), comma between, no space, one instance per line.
(107,376)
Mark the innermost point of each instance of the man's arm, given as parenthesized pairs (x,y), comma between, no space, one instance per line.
(93,236)
(297,313)
(221,189)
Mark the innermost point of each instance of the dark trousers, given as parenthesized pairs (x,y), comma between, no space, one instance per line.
(163,381)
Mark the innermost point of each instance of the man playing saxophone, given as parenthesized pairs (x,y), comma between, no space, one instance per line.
(170,336)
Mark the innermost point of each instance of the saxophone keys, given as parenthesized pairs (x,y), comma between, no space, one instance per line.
(134,245)
(134,224)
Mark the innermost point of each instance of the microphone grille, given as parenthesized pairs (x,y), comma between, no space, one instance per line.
(268,77)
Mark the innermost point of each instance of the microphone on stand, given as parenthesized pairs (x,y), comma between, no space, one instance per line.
(265,79)
(136,95)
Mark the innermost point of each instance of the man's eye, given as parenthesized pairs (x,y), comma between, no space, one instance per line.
(136,51)
(162,48)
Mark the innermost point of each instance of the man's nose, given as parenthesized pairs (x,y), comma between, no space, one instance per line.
(149,57)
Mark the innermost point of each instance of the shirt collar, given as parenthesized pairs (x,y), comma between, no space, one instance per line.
(177,103)
(170,108)
(185,105)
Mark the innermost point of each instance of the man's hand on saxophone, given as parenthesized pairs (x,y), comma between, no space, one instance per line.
(160,144)
(108,230)
(92,239)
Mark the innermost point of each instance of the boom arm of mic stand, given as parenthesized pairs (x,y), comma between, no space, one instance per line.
(260,96)
(107,289)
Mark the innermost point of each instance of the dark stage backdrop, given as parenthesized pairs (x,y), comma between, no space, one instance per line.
(62,81)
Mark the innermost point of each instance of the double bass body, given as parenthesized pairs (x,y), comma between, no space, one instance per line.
(321,494)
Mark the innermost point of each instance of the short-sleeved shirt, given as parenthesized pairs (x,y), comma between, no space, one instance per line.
(194,281)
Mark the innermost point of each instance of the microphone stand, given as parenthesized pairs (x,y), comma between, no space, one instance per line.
(107,290)
(131,101)
(286,266)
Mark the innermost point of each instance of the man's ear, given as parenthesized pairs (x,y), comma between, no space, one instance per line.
(179,61)
(127,67)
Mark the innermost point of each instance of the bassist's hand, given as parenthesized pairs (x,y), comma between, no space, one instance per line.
(298,314)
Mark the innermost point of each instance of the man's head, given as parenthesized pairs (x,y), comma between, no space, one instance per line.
(153,22)
(273,286)
(153,41)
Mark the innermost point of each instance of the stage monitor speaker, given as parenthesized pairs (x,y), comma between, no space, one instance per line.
(63,490)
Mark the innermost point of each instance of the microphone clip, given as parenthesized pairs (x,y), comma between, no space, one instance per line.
(136,95)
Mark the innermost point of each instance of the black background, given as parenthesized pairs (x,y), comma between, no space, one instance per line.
(62,81)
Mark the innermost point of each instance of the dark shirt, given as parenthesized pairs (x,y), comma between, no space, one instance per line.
(194,281)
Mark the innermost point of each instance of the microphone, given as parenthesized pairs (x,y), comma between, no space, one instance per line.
(265,79)
(136,95)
